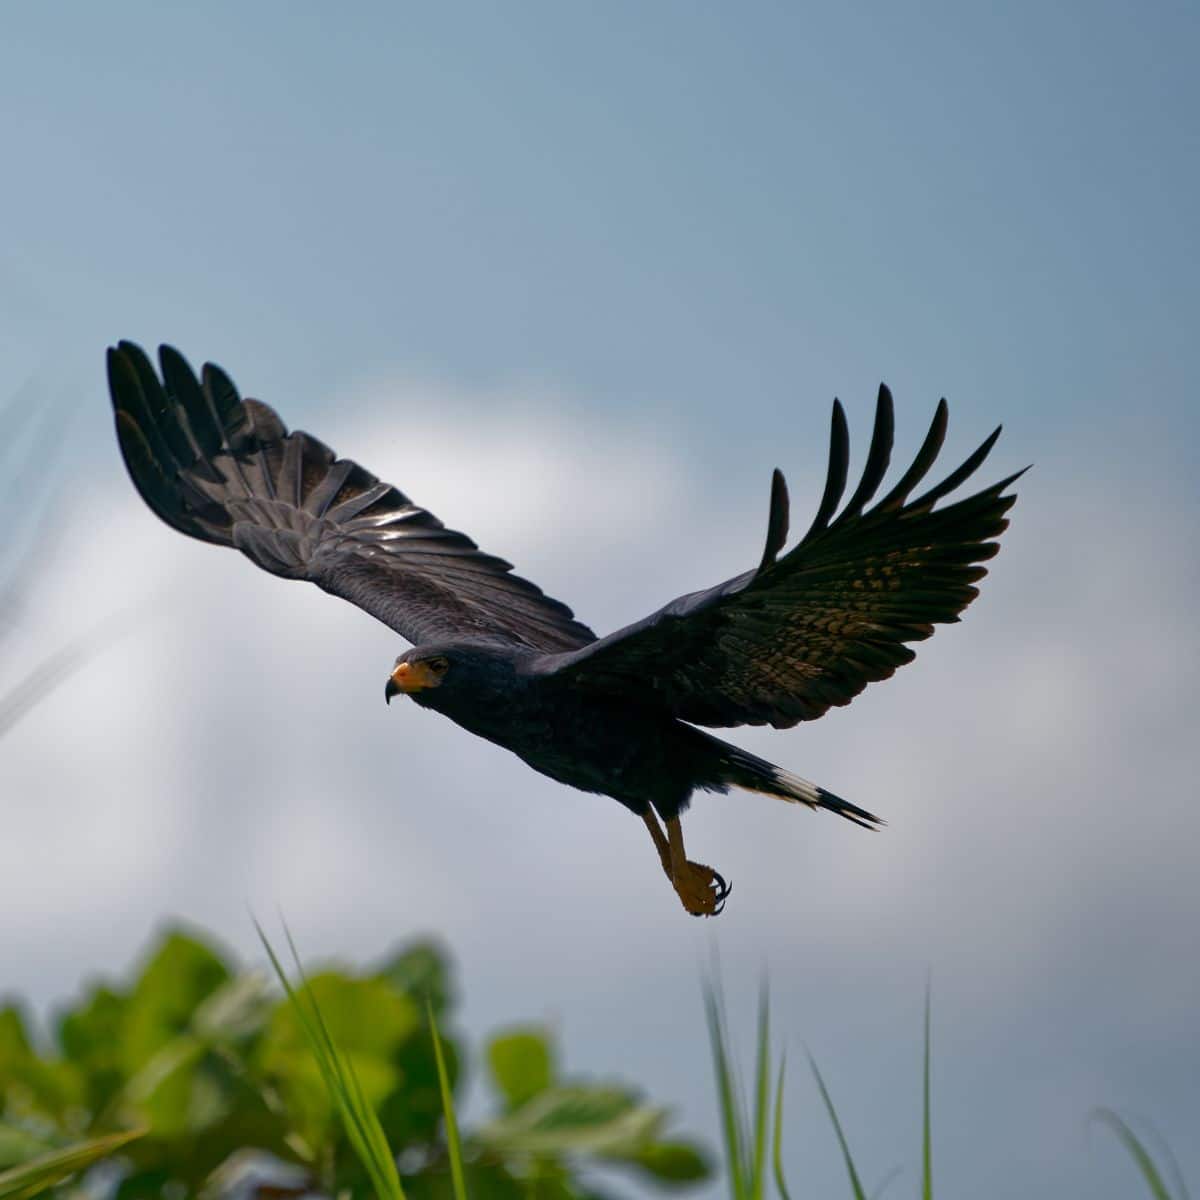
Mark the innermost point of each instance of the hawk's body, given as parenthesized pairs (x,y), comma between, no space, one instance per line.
(628,750)
(616,715)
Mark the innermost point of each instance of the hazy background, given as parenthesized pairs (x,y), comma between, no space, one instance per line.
(576,277)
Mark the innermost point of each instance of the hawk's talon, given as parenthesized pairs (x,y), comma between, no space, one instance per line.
(701,890)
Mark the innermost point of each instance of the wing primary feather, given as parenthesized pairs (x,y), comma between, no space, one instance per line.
(839,466)
(931,497)
(290,472)
(158,406)
(777,522)
(835,613)
(225,469)
(878,457)
(326,492)
(926,456)
(183,388)
(261,434)
(131,403)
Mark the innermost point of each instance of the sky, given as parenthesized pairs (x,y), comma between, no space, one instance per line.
(576,278)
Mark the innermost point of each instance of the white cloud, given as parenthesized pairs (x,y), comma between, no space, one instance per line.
(1036,767)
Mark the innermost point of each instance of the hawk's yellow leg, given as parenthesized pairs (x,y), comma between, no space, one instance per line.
(701,890)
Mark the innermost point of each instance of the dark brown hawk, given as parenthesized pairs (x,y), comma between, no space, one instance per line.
(778,644)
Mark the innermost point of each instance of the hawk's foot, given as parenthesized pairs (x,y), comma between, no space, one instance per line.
(701,890)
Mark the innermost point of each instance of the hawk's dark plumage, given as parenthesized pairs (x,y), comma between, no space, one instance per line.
(779,644)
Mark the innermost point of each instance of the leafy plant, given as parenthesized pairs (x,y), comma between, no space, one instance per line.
(219,1070)
(360,1122)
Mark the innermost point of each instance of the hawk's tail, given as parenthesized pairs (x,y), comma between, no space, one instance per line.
(742,769)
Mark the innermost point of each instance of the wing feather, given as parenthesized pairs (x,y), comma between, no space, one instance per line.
(809,630)
(226,470)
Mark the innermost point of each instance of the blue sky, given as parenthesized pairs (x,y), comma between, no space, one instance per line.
(577,277)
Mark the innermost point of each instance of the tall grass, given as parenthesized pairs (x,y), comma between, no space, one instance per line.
(1148,1167)
(743,1128)
(453,1142)
(359,1119)
(363,1129)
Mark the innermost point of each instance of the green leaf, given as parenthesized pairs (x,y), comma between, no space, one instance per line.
(367,1019)
(92,1039)
(163,1091)
(412,1113)
(561,1120)
(485,1181)
(40,1174)
(420,971)
(673,1162)
(29,1084)
(19,1145)
(181,973)
(522,1065)
(238,1009)
(359,1118)
(14,1037)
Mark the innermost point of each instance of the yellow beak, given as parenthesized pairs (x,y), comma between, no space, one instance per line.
(409,677)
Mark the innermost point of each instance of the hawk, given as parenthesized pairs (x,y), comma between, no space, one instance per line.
(800,632)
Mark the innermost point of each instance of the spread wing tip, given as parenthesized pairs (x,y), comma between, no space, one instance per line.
(777,521)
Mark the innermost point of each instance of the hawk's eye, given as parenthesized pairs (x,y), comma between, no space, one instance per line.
(439,666)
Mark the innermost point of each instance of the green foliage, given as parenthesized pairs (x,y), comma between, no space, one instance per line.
(745,1135)
(360,1122)
(548,1120)
(214,1064)
(521,1065)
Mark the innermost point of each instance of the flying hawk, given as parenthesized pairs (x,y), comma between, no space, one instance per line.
(618,715)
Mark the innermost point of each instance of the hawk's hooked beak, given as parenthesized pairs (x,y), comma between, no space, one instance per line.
(409,677)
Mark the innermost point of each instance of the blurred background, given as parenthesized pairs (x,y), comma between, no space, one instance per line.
(576,278)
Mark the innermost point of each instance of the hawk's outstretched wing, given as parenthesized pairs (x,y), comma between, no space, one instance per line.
(784,642)
(226,470)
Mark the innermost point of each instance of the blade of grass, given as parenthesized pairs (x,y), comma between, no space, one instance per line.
(57,669)
(359,1119)
(762,1106)
(777,1154)
(1137,1151)
(42,1173)
(453,1145)
(378,1157)
(1167,1155)
(926,1134)
(894,1173)
(855,1182)
(732,1123)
